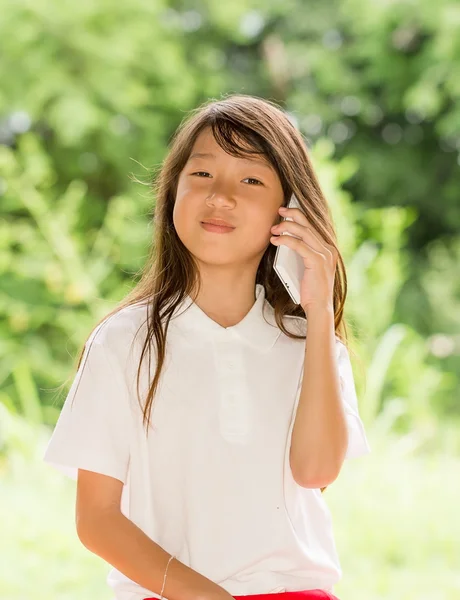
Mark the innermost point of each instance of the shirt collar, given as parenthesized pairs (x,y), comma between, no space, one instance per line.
(257,329)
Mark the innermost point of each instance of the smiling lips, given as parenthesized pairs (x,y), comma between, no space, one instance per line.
(217,226)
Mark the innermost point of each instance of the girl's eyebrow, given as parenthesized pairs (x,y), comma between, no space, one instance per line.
(261,163)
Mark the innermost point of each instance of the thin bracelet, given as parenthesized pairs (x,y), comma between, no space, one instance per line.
(164,578)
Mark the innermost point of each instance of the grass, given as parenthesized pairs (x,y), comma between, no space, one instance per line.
(395,522)
(394,514)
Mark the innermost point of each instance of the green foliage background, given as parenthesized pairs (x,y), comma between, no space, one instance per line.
(91,93)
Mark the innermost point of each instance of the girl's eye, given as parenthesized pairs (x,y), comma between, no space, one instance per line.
(248,178)
(198,172)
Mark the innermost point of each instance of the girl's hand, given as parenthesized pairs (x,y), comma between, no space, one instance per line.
(320,259)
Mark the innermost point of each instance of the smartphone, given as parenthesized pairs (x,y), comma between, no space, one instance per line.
(288,264)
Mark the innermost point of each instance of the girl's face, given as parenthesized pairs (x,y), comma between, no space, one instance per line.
(245,192)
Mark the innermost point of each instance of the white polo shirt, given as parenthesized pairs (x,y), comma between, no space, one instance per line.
(212,483)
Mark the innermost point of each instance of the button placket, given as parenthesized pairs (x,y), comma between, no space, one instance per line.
(234,409)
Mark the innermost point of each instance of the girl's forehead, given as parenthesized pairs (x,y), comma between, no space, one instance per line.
(206,141)
(206,147)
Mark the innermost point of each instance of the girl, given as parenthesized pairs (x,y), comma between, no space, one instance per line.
(201,478)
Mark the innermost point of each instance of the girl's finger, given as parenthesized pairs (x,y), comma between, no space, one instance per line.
(304,232)
(303,248)
(296,214)
(300,218)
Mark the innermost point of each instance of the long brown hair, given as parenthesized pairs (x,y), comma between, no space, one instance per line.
(170,273)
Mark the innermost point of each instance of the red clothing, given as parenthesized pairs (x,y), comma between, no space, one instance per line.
(301,595)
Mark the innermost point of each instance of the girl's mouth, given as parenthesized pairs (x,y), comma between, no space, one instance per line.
(216,228)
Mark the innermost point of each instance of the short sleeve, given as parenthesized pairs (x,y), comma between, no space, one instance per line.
(94,428)
(358,444)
